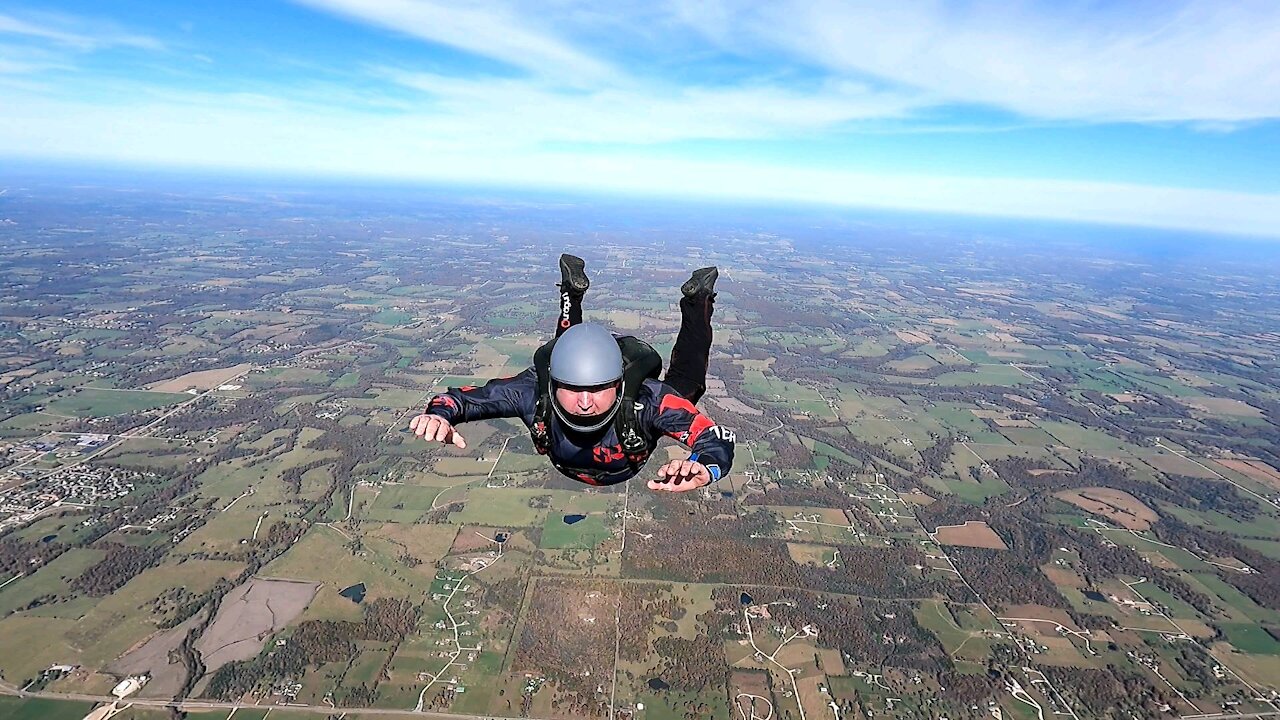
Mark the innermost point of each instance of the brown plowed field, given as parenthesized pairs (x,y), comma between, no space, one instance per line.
(1116,505)
(202,380)
(249,615)
(973,533)
(1255,469)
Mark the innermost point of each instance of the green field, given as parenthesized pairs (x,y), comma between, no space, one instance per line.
(1251,639)
(976,493)
(93,402)
(396,503)
(500,507)
(391,317)
(584,534)
(51,579)
(1238,600)
(12,708)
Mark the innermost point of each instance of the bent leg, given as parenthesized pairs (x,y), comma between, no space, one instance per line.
(687,371)
(573,285)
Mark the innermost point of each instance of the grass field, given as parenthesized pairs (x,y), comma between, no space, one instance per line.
(974,492)
(321,556)
(109,627)
(1238,600)
(584,534)
(93,402)
(12,708)
(391,317)
(501,507)
(960,633)
(1005,375)
(1251,639)
(51,579)
(395,503)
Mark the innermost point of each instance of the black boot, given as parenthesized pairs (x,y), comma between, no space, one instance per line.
(573,274)
(702,282)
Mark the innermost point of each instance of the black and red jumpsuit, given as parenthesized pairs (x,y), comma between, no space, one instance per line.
(596,458)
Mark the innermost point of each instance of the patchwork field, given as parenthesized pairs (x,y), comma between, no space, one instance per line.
(962,460)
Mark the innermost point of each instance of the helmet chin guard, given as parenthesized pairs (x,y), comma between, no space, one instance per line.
(576,422)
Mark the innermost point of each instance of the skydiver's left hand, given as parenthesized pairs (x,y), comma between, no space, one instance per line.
(681,476)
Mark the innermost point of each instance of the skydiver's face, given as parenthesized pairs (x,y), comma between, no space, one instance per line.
(585,402)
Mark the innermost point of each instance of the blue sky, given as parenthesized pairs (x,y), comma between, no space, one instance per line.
(1148,113)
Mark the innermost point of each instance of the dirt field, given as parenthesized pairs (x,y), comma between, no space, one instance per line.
(973,533)
(915,497)
(203,380)
(1062,577)
(912,337)
(1012,423)
(813,699)
(809,554)
(1222,406)
(249,615)
(832,663)
(152,658)
(1002,418)
(734,405)
(1255,469)
(468,539)
(744,683)
(1115,505)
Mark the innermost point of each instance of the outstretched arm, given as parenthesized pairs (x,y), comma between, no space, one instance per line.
(503,397)
(712,445)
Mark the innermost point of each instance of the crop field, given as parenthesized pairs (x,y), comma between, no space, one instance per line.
(94,402)
(927,431)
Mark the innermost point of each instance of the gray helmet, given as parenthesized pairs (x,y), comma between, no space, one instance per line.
(585,355)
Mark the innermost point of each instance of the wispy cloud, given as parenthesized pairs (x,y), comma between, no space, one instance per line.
(81,34)
(485,28)
(524,113)
(19,60)
(251,131)
(1143,62)
(625,98)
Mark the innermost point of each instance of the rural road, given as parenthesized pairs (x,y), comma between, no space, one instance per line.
(7,689)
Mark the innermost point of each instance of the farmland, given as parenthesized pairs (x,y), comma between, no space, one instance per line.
(953,471)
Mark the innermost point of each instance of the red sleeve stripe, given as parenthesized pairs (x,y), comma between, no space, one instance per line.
(700,423)
(671,401)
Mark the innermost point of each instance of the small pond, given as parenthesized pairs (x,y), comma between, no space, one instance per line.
(571,519)
(355,593)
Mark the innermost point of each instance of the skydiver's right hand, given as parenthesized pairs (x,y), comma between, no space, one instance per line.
(434,427)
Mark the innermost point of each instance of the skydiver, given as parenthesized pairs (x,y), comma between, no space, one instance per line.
(592,401)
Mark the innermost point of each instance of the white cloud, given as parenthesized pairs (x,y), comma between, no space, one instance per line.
(1161,61)
(250,131)
(596,81)
(28,61)
(81,34)
(525,113)
(485,28)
